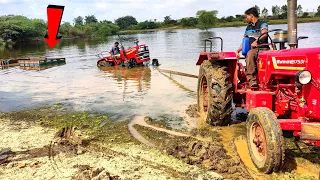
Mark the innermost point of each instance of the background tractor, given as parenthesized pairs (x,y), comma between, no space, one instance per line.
(288,96)
(130,57)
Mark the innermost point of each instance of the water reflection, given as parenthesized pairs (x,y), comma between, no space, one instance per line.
(140,75)
(41,68)
(207,34)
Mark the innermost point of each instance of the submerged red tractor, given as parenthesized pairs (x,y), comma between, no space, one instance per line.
(130,57)
(287,98)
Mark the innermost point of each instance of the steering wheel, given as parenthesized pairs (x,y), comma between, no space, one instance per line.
(100,55)
(268,44)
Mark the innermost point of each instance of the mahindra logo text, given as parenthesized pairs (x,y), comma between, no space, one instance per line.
(291,61)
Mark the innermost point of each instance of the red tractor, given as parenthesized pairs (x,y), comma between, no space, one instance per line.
(287,97)
(130,57)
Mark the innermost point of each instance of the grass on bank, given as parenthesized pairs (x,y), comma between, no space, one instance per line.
(225,24)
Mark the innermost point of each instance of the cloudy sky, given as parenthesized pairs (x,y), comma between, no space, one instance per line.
(141,9)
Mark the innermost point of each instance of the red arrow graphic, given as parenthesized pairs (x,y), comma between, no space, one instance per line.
(54,19)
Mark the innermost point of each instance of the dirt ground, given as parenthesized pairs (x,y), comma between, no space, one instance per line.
(95,146)
(101,151)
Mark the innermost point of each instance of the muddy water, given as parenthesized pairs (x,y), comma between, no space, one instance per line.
(140,91)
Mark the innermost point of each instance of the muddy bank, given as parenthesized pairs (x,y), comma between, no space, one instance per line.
(87,172)
(34,145)
(301,162)
(99,147)
(208,153)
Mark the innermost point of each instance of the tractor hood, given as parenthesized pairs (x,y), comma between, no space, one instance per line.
(287,62)
(311,91)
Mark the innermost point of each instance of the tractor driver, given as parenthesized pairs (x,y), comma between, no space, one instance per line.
(115,50)
(254,29)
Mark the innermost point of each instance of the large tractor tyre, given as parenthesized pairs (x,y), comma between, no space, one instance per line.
(104,63)
(131,63)
(215,93)
(127,64)
(265,140)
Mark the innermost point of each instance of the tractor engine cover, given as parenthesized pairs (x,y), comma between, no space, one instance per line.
(259,99)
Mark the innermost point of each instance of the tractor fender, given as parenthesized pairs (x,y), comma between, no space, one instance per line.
(216,56)
(203,56)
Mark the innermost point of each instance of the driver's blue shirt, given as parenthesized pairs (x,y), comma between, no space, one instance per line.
(253,31)
(115,50)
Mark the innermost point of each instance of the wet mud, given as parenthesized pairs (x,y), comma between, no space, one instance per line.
(192,111)
(202,148)
(87,172)
(88,145)
(224,150)
(82,145)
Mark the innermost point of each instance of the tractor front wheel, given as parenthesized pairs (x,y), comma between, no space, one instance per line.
(265,140)
(215,93)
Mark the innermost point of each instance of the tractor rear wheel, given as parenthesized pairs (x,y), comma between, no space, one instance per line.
(104,63)
(265,140)
(215,93)
(131,63)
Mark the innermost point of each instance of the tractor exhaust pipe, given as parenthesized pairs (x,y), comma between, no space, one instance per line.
(292,24)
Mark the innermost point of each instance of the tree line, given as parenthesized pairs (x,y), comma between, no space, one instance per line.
(19,28)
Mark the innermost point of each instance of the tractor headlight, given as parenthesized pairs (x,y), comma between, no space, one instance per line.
(303,77)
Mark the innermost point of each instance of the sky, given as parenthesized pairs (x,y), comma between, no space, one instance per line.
(140,9)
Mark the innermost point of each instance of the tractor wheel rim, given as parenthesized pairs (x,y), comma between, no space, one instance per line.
(205,95)
(258,141)
(102,63)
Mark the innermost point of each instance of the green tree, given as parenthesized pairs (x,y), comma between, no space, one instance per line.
(64,28)
(229,18)
(90,19)
(265,12)
(284,11)
(147,25)
(105,21)
(207,19)
(305,15)
(189,22)
(78,21)
(240,17)
(167,19)
(106,29)
(318,12)
(257,7)
(299,10)
(222,20)
(18,28)
(126,21)
(276,10)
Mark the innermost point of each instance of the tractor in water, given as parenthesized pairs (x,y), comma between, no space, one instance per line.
(287,97)
(137,55)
